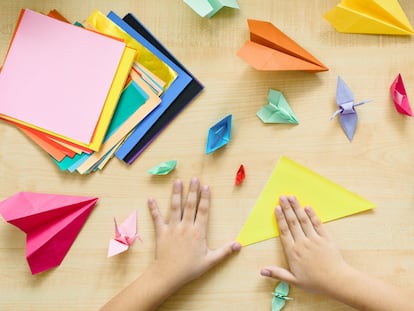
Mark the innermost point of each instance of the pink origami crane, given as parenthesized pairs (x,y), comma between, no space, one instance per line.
(125,235)
(51,222)
(399,96)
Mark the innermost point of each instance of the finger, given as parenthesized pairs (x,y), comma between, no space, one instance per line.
(176,202)
(279,273)
(302,216)
(156,215)
(285,235)
(223,252)
(316,222)
(291,219)
(202,210)
(190,208)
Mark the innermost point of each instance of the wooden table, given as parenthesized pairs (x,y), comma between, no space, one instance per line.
(378,164)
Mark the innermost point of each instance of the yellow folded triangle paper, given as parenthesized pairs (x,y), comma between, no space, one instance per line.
(329,200)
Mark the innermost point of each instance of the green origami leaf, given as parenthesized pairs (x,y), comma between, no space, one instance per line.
(277,110)
(163,168)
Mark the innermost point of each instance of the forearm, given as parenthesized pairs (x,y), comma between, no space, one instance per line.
(366,293)
(146,293)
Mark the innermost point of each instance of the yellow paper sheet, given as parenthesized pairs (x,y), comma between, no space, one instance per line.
(113,97)
(144,56)
(329,200)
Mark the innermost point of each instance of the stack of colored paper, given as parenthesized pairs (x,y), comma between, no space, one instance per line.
(87,91)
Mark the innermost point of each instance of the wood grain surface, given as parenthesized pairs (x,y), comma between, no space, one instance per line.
(377,165)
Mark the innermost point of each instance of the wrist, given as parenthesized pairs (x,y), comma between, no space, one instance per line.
(342,279)
(170,280)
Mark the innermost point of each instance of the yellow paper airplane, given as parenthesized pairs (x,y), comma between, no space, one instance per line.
(329,200)
(370,17)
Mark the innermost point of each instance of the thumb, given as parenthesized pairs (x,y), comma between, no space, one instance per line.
(221,253)
(278,273)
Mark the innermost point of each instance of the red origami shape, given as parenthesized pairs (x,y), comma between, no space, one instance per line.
(51,222)
(399,96)
(240,175)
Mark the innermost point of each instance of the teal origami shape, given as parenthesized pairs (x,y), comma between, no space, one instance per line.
(277,110)
(280,295)
(210,7)
(163,168)
(219,134)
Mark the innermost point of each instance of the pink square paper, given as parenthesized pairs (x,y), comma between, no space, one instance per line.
(57,76)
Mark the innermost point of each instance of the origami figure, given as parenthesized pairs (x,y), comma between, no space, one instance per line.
(399,96)
(370,17)
(51,222)
(270,49)
(219,134)
(280,295)
(240,175)
(347,113)
(163,168)
(210,7)
(277,110)
(125,235)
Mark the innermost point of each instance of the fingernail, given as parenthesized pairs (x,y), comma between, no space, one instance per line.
(205,192)
(292,198)
(265,272)
(151,201)
(177,185)
(194,181)
(308,209)
(278,210)
(236,247)
(282,199)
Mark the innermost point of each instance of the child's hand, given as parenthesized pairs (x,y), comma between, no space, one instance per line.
(182,253)
(314,260)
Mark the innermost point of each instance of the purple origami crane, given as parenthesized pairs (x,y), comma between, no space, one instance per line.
(347,113)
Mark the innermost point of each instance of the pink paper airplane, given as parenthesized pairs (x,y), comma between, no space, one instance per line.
(125,235)
(51,223)
(399,96)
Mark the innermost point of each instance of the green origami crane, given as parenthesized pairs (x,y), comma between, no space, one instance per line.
(277,110)
(280,295)
(163,168)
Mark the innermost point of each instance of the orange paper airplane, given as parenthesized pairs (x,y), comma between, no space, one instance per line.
(270,49)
